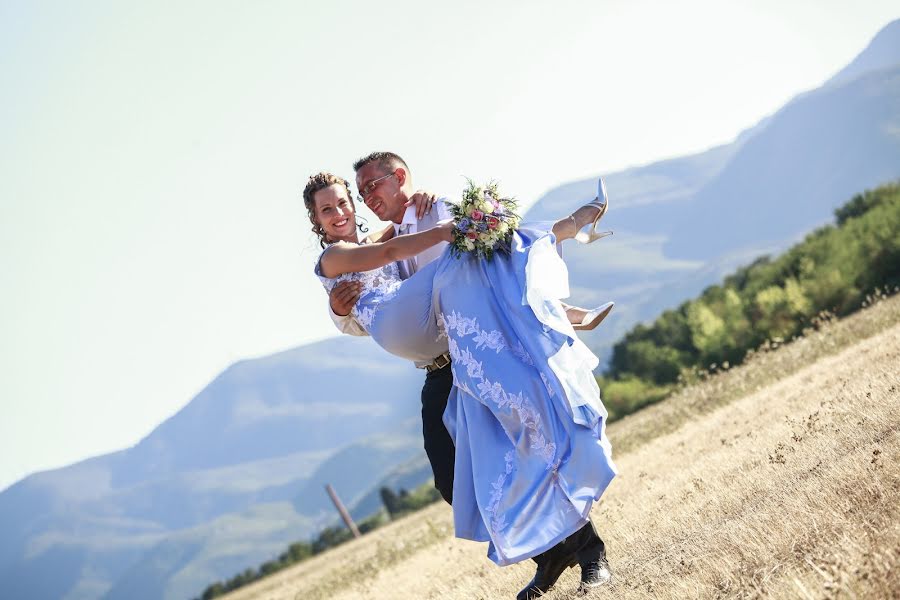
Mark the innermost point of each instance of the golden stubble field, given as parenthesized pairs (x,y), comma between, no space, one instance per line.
(776,479)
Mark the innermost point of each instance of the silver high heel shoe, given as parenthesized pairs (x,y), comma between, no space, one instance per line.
(594,317)
(589,233)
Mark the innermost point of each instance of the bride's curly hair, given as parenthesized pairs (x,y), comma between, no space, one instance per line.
(320,181)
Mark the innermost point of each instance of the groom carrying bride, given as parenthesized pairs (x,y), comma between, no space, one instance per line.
(385,185)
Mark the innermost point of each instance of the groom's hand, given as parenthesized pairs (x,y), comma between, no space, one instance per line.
(343,297)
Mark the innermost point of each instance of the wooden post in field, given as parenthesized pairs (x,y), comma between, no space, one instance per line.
(342,511)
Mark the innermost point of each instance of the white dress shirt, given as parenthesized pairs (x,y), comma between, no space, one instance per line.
(439,212)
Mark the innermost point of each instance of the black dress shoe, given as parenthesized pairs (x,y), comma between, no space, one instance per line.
(548,571)
(594,568)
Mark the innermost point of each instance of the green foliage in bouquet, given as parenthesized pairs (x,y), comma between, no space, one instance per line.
(485,221)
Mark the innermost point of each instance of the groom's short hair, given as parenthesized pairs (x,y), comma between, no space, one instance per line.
(388,160)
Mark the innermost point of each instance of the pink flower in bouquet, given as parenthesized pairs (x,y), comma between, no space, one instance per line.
(477,215)
(472,235)
(493,222)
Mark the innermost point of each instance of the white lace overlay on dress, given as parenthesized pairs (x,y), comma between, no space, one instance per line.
(493,339)
(493,391)
(498,522)
(382,283)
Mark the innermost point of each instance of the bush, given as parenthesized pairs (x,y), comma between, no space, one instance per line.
(373,522)
(624,396)
(403,502)
(330,537)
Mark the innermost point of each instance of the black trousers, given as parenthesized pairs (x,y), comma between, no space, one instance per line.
(438,445)
(582,544)
(442,453)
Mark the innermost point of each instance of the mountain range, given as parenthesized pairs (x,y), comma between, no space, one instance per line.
(238,474)
(682,224)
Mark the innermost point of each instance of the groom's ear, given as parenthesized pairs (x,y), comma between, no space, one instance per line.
(401,175)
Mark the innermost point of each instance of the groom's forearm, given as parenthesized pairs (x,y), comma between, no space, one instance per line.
(341,300)
(347,324)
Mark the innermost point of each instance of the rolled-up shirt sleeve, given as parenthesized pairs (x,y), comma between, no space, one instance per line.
(346,324)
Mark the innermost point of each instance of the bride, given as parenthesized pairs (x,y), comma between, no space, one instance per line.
(525,413)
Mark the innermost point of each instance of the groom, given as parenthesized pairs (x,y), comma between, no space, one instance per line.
(385,185)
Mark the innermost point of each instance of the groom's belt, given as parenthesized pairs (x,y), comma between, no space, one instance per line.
(438,363)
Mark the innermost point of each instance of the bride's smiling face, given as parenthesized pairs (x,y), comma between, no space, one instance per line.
(335,212)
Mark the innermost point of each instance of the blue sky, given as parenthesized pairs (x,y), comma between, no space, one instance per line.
(152,157)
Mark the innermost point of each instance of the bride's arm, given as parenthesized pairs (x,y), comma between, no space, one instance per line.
(349,258)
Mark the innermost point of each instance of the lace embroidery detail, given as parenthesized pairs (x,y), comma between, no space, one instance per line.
(378,286)
(493,339)
(462,325)
(493,391)
(442,328)
(546,381)
(532,421)
(519,352)
(498,522)
(365,316)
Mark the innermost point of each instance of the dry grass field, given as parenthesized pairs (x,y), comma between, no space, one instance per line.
(776,479)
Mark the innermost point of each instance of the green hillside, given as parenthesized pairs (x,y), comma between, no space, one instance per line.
(834,271)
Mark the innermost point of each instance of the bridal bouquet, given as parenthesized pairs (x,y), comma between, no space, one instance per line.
(485,221)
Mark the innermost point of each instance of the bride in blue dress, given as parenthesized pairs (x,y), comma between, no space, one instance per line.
(525,414)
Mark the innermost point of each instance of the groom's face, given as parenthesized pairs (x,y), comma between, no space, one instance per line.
(380,188)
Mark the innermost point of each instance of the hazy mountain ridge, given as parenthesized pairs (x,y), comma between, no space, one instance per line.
(883,51)
(848,135)
(254,437)
(712,212)
(180,565)
(407,476)
(236,475)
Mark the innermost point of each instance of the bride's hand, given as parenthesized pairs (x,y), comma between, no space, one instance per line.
(446,227)
(423,201)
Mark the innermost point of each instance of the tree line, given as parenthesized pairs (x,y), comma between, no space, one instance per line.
(772,300)
(396,504)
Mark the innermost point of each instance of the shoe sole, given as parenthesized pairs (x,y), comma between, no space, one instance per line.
(593,323)
(596,585)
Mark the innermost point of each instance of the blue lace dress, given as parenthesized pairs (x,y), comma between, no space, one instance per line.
(525,412)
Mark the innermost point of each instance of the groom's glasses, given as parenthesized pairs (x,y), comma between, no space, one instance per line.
(370,187)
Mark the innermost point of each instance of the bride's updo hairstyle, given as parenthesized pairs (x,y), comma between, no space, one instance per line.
(317,182)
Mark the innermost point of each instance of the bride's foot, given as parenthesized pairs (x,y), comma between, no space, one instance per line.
(586,218)
(583,319)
